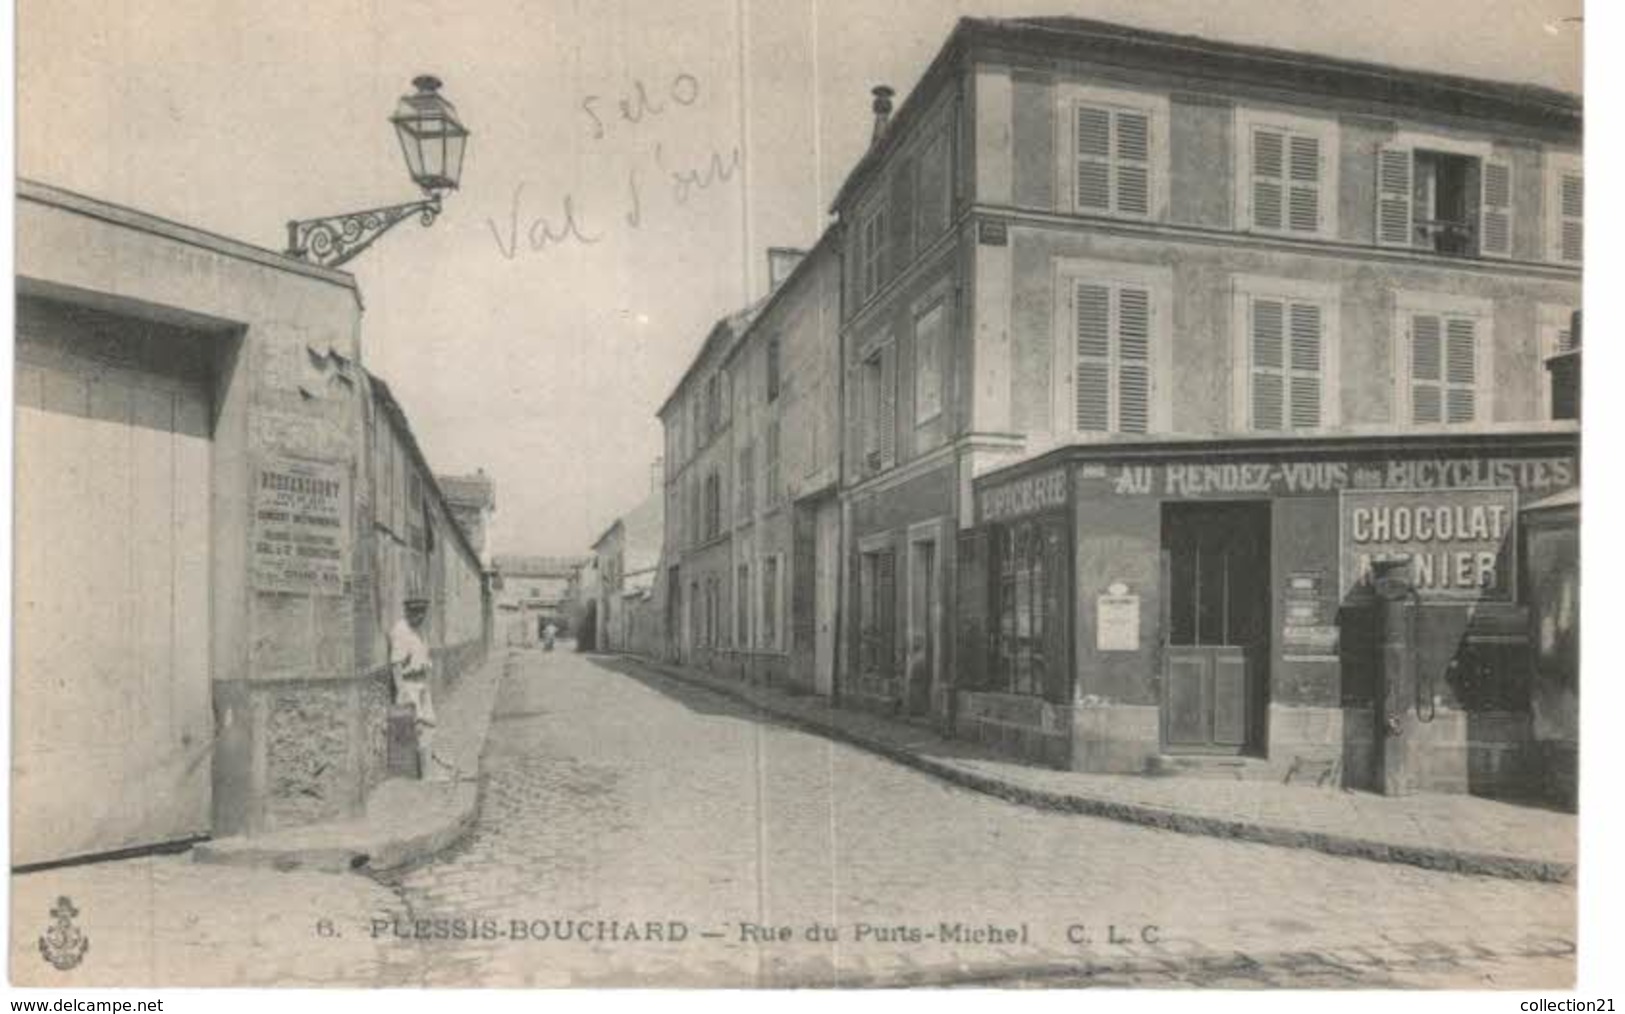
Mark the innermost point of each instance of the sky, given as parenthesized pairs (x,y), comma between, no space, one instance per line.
(681,140)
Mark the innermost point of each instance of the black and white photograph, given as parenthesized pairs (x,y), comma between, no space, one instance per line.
(800,494)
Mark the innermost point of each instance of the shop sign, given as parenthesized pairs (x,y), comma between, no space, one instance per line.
(301,531)
(1029,495)
(1289,478)
(1459,541)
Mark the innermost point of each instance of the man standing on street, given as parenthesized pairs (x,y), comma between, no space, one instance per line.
(409,665)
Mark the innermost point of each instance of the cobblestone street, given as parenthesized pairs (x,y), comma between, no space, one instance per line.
(618,797)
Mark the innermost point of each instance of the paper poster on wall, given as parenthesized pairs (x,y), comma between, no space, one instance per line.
(301,534)
(1117,620)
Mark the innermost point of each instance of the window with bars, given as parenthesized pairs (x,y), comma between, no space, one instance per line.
(1287,172)
(1444,201)
(1112,378)
(1112,160)
(1286,363)
(1444,373)
(877,606)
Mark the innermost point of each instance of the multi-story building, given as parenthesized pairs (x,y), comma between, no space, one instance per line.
(535,591)
(786,452)
(696,547)
(473,499)
(1153,346)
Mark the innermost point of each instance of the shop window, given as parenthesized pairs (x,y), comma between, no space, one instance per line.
(877,606)
(1029,643)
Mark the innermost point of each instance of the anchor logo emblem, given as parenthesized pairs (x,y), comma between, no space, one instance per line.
(63,945)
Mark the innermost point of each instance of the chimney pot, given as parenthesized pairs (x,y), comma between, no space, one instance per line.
(882,107)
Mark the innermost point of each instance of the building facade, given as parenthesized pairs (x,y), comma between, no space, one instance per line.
(198,444)
(536,590)
(473,499)
(1083,264)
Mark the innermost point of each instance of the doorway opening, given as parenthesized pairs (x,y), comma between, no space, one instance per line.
(1216,568)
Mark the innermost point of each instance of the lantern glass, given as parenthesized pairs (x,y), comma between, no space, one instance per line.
(432,138)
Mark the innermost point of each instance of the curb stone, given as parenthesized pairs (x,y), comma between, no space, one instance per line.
(1348,846)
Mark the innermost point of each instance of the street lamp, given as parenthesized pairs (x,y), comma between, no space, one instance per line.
(432,141)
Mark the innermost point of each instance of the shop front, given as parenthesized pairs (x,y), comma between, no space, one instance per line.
(1211,605)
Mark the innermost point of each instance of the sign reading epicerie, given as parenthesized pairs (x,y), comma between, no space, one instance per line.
(1458,541)
(1029,495)
(301,526)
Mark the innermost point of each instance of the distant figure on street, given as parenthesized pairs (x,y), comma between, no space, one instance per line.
(549,634)
(409,664)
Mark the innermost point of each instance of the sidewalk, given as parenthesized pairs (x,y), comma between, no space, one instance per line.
(1462,834)
(405,820)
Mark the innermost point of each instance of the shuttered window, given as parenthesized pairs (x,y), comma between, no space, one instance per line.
(1443,368)
(770,602)
(747,482)
(1112,160)
(771,492)
(1394,197)
(1495,210)
(1571,209)
(742,607)
(1287,177)
(1112,376)
(872,253)
(1287,364)
(887,420)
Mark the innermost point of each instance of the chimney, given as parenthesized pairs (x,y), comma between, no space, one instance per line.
(882,107)
(781,261)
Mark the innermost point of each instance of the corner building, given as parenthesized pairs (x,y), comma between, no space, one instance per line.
(1152,345)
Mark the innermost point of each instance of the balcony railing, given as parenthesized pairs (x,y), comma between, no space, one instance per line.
(1447,236)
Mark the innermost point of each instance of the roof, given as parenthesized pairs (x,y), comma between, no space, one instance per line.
(397,415)
(141,221)
(515,565)
(1557,501)
(475,490)
(1282,69)
(723,334)
(817,255)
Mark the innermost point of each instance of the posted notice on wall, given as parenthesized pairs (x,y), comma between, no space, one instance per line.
(301,526)
(1117,620)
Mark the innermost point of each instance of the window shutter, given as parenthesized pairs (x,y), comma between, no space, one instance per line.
(1133,162)
(1495,211)
(1094,159)
(1425,368)
(1268,166)
(1268,375)
(1461,369)
(888,406)
(1305,366)
(1571,206)
(1092,382)
(1394,197)
(1303,211)
(1134,360)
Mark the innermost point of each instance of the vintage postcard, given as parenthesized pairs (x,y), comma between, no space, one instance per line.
(797,493)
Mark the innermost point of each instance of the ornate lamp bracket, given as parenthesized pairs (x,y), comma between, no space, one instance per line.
(333,240)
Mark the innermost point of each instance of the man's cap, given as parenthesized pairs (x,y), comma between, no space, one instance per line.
(416,600)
